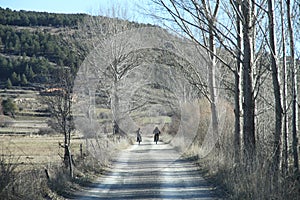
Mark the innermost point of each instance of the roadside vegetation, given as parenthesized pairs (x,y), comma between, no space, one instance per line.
(253,74)
(31,154)
(36,150)
(32,167)
(246,90)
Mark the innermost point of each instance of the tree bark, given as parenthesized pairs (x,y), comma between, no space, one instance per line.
(211,15)
(115,107)
(285,162)
(249,103)
(294,89)
(70,162)
(277,94)
(212,87)
(237,90)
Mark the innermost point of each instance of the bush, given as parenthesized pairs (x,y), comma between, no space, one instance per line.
(21,184)
(46,131)
(5,121)
(7,177)
(30,184)
(9,107)
(59,181)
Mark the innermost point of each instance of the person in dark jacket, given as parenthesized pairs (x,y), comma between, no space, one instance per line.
(156,133)
(138,136)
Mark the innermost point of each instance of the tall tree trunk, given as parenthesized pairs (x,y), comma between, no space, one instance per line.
(277,95)
(69,116)
(211,16)
(212,87)
(294,89)
(66,141)
(115,107)
(249,103)
(70,162)
(284,163)
(237,90)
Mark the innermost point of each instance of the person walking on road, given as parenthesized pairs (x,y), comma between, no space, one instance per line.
(156,133)
(138,136)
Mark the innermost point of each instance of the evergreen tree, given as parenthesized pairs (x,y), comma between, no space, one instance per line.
(8,84)
(14,79)
(24,80)
(19,79)
(29,73)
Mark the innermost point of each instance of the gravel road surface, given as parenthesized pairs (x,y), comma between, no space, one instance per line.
(150,171)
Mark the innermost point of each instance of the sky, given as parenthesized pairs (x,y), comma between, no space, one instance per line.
(78,6)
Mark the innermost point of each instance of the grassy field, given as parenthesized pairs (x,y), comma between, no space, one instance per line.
(24,127)
(30,116)
(20,142)
(22,139)
(35,151)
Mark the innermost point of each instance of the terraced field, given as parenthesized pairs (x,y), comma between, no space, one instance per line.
(30,117)
(30,142)
(20,137)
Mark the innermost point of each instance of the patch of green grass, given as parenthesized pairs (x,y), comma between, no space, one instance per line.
(102,110)
(153,120)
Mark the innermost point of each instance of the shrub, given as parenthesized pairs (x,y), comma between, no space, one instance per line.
(9,107)
(5,121)
(7,176)
(46,131)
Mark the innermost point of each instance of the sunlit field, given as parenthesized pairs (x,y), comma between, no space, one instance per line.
(35,151)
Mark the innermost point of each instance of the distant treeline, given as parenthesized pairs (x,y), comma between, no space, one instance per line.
(27,43)
(39,51)
(30,18)
(34,44)
(29,54)
(22,70)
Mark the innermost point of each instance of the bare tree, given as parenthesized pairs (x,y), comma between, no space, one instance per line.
(58,98)
(294,88)
(211,16)
(284,94)
(238,78)
(203,17)
(93,34)
(277,93)
(249,102)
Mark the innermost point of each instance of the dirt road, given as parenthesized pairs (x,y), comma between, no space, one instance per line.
(150,171)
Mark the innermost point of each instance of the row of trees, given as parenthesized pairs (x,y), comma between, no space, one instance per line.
(30,18)
(35,70)
(252,42)
(16,79)
(239,37)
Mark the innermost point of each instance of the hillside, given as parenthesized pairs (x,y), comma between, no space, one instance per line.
(34,44)
(31,46)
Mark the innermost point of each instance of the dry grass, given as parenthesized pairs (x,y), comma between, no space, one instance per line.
(24,160)
(236,180)
(35,151)
(26,154)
